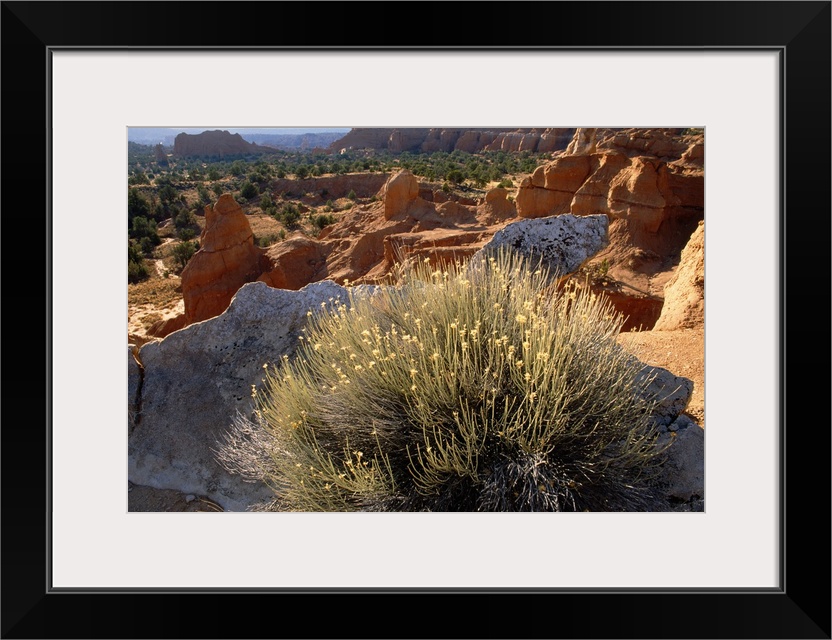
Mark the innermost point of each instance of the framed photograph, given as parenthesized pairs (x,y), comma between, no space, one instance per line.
(754,75)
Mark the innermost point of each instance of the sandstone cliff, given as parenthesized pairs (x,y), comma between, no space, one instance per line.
(214,143)
(426,140)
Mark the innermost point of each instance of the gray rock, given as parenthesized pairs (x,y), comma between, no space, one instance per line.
(671,392)
(563,243)
(197,379)
(134,384)
(685,467)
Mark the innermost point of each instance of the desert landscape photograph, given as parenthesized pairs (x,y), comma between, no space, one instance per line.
(415,319)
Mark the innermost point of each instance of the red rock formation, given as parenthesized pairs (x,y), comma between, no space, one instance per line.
(398,193)
(496,207)
(684,293)
(651,185)
(550,189)
(583,142)
(160,155)
(226,260)
(660,143)
(644,189)
(469,140)
(365,185)
(214,143)
(296,262)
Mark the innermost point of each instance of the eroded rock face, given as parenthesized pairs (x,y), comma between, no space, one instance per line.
(364,185)
(650,183)
(550,189)
(295,262)
(398,192)
(647,191)
(448,140)
(684,293)
(226,260)
(583,142)
(660,143)
(496,207)
(214,143)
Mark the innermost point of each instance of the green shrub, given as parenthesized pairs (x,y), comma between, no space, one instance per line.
(183,252)
(136,267)
(268,240)
(289,215)
(144,228)
(351,195)
(185,224)
(249,190)
(322,220)
(484,389)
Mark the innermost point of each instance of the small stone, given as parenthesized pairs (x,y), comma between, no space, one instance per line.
(190,497)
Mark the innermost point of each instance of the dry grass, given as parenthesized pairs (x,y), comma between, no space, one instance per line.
(158,292)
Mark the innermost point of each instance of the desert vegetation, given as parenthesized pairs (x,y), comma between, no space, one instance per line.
(178,189)
(484,387)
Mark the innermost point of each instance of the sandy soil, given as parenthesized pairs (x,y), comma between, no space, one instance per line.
(681,352)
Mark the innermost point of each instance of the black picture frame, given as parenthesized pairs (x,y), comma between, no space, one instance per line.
(800,608)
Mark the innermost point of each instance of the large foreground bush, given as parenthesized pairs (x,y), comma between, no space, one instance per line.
(470,389)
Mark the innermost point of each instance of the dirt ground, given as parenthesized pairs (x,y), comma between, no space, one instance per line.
(682,352)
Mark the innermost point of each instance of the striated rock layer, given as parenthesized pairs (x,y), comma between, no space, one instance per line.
(650,182)
(226,260)
(428,140)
